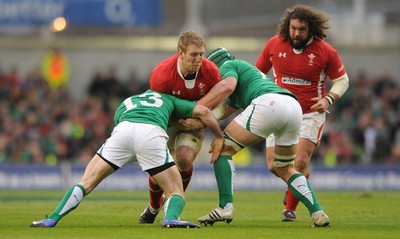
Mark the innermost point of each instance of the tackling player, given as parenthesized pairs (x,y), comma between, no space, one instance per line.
(266,109)
(140,125)
(187,75)
(301,61)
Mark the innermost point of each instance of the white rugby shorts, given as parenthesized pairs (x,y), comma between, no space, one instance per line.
(145,142)
(312,127)
(276,114)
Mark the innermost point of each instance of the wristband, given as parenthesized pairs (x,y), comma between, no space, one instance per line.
(330,99)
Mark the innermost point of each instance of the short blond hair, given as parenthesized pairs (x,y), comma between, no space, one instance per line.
(188,38)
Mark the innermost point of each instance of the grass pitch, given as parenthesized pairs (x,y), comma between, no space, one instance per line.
(104,214)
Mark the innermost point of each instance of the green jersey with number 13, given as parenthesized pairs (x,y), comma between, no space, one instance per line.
(154,108)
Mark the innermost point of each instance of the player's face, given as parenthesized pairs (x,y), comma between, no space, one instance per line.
(299,33)
(190,61)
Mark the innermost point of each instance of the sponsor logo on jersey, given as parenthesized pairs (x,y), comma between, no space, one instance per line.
(176,92)
(294,81)
(282,54)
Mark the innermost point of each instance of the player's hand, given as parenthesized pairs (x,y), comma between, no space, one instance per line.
(321,106)
(191,124)
(216,148)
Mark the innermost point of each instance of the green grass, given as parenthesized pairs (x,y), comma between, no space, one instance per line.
(107,215)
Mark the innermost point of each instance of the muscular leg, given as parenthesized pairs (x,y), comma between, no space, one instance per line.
(236,137)
(305,150)
(224,169)
(297,183)
(95,172)
(184,146)
(170,182)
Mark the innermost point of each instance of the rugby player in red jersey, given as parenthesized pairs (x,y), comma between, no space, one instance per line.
(187,75)
(302,61)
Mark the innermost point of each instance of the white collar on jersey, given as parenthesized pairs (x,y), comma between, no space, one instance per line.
(299,51)
(188,83)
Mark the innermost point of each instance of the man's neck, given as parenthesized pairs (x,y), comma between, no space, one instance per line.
(189,76)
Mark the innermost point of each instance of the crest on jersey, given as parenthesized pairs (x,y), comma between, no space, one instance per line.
(201,87)
(311,59)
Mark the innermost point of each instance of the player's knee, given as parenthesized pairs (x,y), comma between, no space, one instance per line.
(301,165)
(184,159)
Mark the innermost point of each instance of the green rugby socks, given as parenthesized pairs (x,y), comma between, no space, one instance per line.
(69,202)
(224,171)
(174,207)
(302,190)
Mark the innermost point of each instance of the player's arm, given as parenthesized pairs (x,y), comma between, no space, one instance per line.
(219,92)
(214,97)
(339,87)
(211,122)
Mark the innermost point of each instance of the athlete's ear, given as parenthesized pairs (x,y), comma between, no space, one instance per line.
(180,52)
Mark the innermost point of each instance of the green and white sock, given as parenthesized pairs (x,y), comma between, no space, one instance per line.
(69,202)
(302,190)
(173,207)
(224,171)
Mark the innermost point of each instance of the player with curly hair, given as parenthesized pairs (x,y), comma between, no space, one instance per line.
(302,61)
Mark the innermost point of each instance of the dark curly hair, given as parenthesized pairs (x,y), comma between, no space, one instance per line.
(317,21)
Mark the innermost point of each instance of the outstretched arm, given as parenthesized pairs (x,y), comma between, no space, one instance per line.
(210,121)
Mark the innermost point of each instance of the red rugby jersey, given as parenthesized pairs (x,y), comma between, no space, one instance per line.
(303,73)
(166,78)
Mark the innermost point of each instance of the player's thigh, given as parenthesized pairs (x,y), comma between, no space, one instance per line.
(312,126)
(269,113)
(193,139)
(240,134)
(151,150)
(290,118)
(96,170)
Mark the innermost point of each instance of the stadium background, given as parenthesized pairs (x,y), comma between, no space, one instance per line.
(58,87)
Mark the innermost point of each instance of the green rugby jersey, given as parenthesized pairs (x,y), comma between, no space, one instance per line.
(251,83)
(154,108)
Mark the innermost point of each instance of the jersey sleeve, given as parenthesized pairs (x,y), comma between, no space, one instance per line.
(263,62)
(183,108)
(334,68)
(157,84)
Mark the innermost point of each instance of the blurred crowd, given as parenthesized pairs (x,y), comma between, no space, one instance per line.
(39,125)
(363,127)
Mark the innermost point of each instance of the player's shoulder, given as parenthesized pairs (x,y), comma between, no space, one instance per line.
(276,39)
(324,45)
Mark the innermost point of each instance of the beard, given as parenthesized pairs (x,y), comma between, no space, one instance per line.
(300,44)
